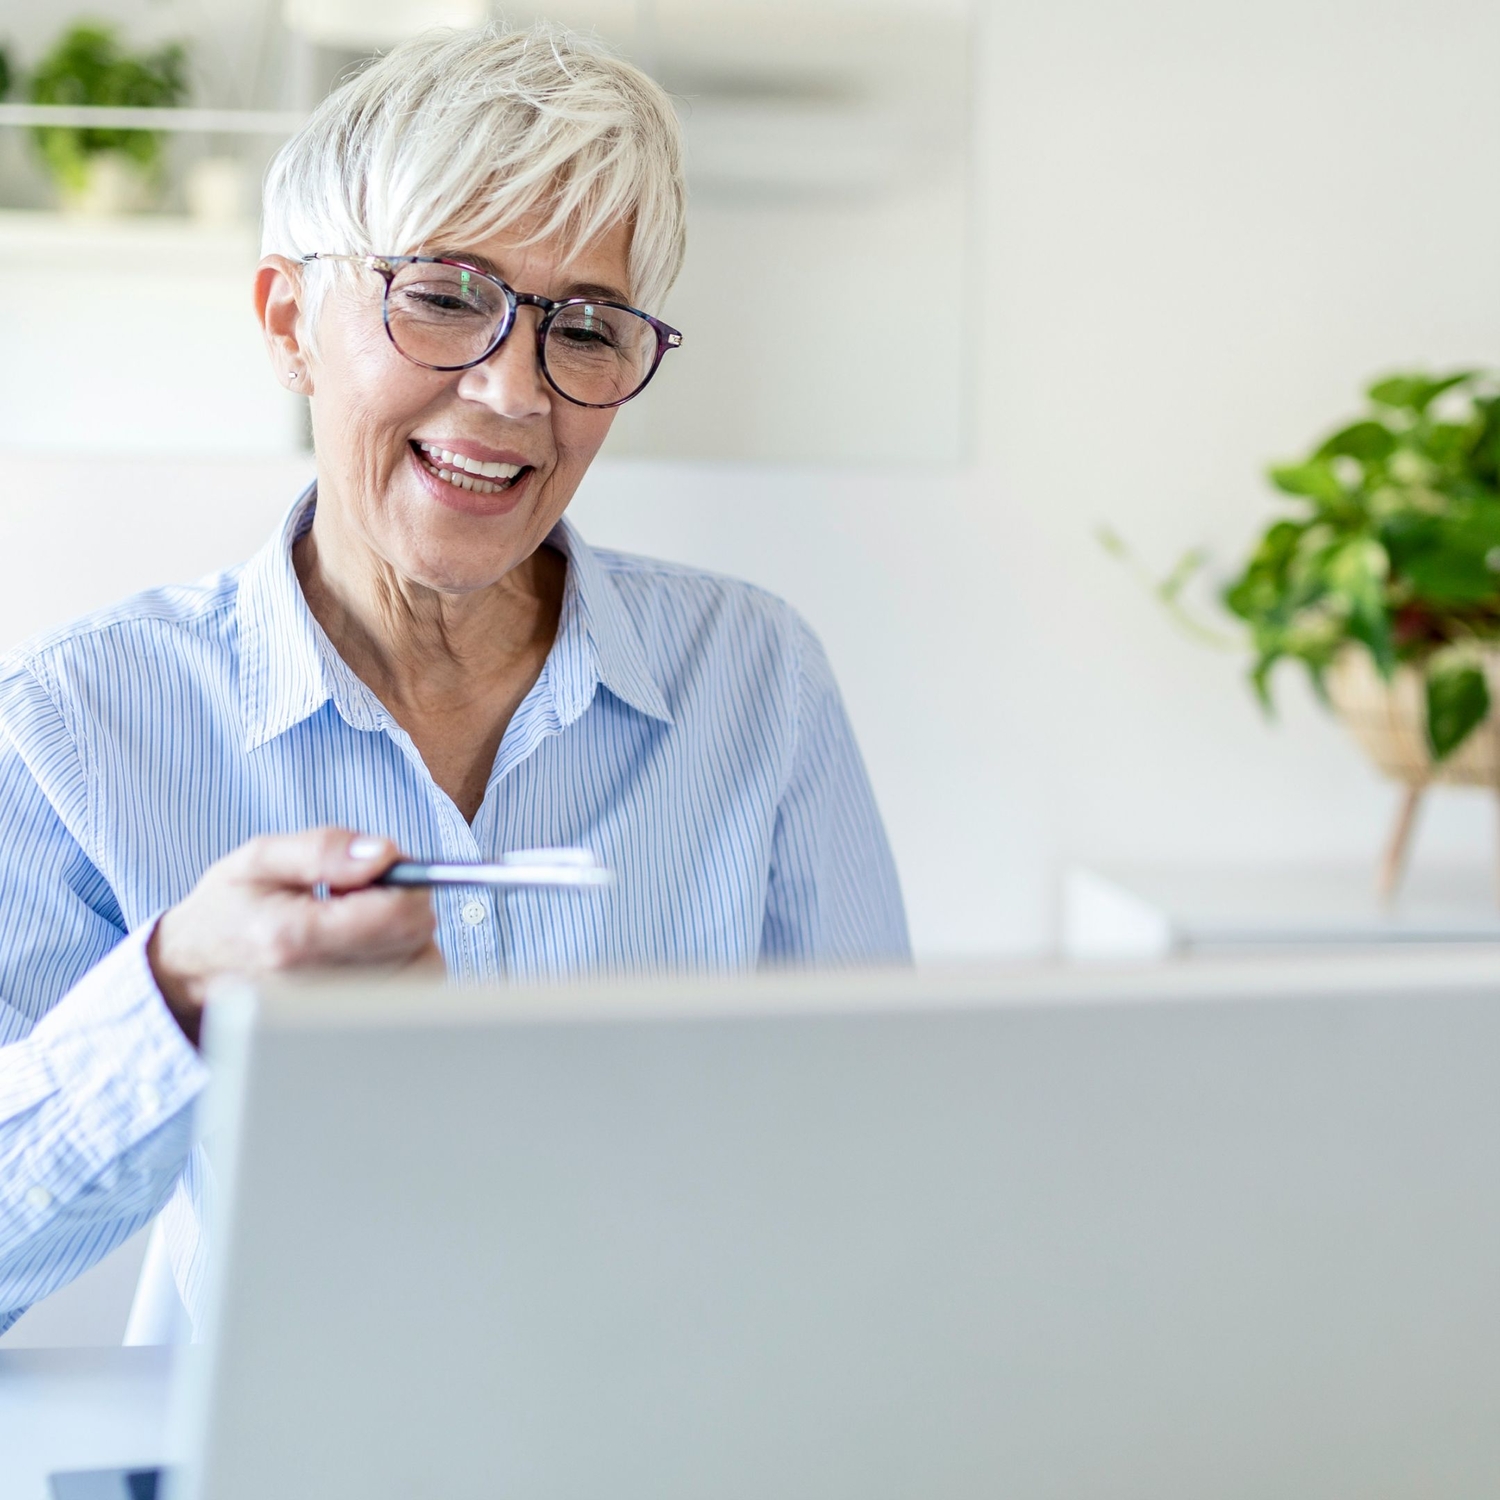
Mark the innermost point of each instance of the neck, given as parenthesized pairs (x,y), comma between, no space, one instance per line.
(421,649)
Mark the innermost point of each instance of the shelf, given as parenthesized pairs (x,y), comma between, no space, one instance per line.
(200,121)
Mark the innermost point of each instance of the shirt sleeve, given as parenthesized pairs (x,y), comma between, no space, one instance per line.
(833,897)
(96,1077)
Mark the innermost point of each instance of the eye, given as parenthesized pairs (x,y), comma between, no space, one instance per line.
(586,327)
(449,295)
(440,301)
(447,298)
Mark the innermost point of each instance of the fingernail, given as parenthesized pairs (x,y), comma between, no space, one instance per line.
(366,848)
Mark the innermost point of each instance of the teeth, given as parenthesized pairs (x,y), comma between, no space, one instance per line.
(456,461)
(468,482)
(440,462)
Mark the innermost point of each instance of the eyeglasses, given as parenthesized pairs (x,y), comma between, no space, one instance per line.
(446,315)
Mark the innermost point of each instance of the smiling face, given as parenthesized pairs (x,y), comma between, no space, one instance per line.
(387,431)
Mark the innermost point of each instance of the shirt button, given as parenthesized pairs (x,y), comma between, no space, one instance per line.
(148,1099)
(473,913)
(38,1198)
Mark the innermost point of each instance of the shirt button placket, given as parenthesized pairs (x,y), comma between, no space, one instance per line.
(475,912)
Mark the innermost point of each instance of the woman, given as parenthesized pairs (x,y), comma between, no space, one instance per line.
(426,658)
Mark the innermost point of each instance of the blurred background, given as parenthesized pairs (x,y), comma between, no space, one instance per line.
(965,283)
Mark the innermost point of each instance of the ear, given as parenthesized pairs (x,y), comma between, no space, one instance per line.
(278,306)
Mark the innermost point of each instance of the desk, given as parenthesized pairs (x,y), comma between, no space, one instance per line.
(79,1409)
(1143,913)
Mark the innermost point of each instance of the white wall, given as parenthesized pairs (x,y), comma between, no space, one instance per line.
(1203,225)
(809,323)
(135,335)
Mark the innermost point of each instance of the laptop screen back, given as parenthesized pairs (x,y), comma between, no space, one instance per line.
(1220,1232)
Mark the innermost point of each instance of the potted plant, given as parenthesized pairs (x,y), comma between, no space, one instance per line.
(1383,580)
(98,169)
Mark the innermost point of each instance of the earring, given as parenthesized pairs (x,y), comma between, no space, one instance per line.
(291,374)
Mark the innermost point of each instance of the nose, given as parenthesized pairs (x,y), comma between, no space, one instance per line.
(510,382)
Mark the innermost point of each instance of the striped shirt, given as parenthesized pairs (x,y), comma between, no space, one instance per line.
(685,727)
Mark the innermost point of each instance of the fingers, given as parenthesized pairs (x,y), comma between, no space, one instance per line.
(255,912)
(427,964)
(374,926)
(336,857)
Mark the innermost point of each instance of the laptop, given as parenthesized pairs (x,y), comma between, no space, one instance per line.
(1177,1233)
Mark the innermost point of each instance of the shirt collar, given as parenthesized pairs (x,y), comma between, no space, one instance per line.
(289,668)
(597,641)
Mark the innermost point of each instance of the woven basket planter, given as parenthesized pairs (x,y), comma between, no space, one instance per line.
(1389,722)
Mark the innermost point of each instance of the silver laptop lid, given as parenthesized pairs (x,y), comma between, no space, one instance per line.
(1193,1232)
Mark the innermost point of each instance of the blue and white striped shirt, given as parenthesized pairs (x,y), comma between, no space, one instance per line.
(685,727)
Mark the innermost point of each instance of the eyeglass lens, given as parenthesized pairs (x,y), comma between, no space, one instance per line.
(447,316)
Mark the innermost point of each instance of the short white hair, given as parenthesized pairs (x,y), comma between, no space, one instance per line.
(455,136)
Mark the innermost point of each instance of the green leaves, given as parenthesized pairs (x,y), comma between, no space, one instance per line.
(1168,590)
(1414,393)
(88,66)
(1392,544)
(1448,562)
(1368,441)
(1357,571)
(1458,699)
(1262,587)
(1484,455)
(1315,479)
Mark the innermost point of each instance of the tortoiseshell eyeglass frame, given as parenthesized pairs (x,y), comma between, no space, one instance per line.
(386,266)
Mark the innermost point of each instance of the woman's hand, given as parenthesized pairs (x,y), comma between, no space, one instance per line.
(256,911)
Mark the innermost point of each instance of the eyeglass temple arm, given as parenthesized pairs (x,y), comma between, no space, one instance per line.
(375,262)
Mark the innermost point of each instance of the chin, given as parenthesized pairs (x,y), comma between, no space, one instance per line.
(449,569)
(458,552)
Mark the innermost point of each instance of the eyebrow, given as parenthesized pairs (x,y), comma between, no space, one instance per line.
(600,289)
(597,289)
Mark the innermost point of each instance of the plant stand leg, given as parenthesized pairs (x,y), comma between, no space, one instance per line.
(1394,860)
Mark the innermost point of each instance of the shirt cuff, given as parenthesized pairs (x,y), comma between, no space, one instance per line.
(116,1055)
